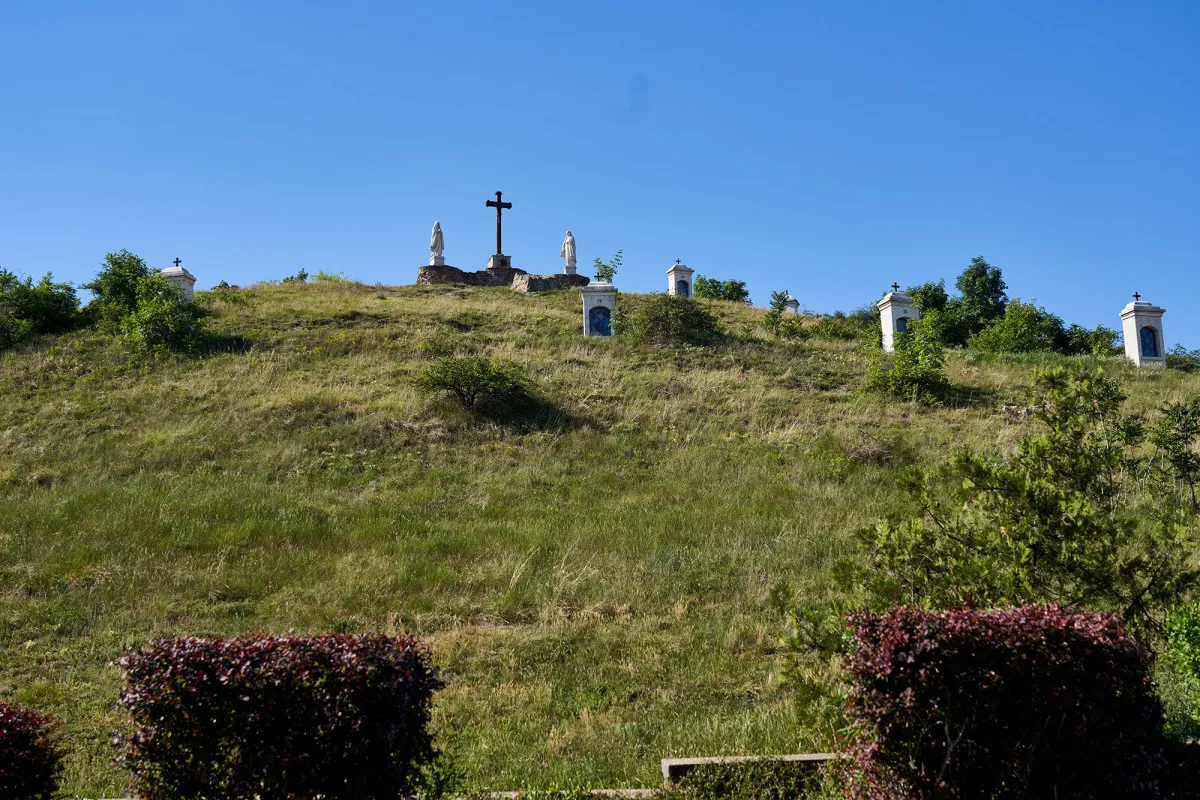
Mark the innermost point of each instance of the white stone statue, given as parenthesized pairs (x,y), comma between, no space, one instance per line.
(568,252)
(436,246)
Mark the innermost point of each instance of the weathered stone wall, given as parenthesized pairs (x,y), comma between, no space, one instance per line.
(500,276)
(544,283)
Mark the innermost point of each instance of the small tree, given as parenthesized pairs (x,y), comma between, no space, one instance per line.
(1062,520)
(773,320)
(472,379)
(668,320)
(116,286)
(730,291)
(1175,434)
(606,271)
(1084,342)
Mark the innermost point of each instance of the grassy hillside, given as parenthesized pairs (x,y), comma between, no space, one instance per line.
(592,578)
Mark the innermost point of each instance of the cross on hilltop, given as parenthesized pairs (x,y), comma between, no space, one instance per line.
(498,205)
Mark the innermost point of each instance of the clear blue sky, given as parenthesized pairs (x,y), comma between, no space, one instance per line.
(827,148)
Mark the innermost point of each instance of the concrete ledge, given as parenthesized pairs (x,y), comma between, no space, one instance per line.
(675,768)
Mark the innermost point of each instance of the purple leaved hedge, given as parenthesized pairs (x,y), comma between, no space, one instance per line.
(285,717)
(1031,702)
(30,759)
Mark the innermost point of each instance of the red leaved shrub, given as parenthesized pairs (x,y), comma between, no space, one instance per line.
(29,758)
(1031,702)
(284,717)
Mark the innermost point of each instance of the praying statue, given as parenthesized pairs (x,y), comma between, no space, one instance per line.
(436,246)
(568,252)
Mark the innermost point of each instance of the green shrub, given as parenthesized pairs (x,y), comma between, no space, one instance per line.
(918,370)
(1024,328)
(299,277)
(1098,342)
(335,277)
(161,321)
(1076,516)
(669,320)
(116,287)
(784,327)
(27,307)
(475,379)
(1183,359)
(862,324)
(730,291)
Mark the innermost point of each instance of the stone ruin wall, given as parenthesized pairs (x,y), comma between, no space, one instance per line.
(517,279)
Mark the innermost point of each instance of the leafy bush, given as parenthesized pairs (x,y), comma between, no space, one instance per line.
(712,289)
(918,365)
(1076,515)
(471,379)
(606,271)
(1023,328)
(27,307)
(333,716)
(862,324)
(759,779)
(116,287)
(161,320)
(299,277)
(667,320)
(1029,702)
(30,759)
(1098,342)
(335,277)
(1184,360)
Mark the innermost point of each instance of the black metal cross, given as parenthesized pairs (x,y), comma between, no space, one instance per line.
(498,205)
(1136,297)
(895,287)
(177,261)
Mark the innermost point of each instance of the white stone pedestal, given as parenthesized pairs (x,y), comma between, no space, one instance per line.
(1141,325)
(895,311)
(437,261)
(499,262)
(679,280)
(182,279)
(599,306)
(569,269)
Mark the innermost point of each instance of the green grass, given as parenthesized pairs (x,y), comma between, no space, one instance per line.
(593,579)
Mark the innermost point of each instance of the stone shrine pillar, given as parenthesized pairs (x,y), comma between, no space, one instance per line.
(791,307)
(896,309)
(1141,324)
(182,279)
(599,305)
(679,280)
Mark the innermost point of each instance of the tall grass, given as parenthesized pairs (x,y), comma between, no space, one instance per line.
(593,577)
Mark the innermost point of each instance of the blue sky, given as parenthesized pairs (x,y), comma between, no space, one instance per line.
(828,148)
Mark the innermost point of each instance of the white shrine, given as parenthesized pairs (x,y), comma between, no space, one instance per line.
(1141,324)
(679,279)
(791,307)
(896,309)
(182,279)
(599,306)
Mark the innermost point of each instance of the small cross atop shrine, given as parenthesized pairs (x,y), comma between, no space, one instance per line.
(177,262)
(1136,296)
(895,287)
